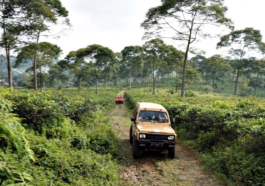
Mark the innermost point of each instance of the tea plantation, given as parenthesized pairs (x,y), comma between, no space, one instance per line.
(64,137)
(57,138)
(229,132)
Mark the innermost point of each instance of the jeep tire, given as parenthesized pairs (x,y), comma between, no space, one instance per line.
(171,152)
(135,149)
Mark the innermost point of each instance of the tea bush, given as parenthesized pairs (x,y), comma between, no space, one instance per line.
(228,131)
(62,140)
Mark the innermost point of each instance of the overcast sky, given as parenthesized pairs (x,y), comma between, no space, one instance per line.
(116,23)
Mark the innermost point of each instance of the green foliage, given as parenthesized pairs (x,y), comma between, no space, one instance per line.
(12,133)
(239,165)
(66,140)
(70,166)
(247,92)
(46,112)
(208,89)
(228,131)
(222,104)
(189,93)
(11,173)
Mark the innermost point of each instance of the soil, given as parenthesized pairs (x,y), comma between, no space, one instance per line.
(155,168)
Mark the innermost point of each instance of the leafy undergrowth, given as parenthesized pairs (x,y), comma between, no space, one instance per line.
(229,132)
(53,139)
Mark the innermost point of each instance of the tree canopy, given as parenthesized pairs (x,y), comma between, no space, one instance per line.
(98,56)
(186,21)
(241,44)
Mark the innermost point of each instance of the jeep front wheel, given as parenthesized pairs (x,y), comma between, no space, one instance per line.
(171,152)
(135,149)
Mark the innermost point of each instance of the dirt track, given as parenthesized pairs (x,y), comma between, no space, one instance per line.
(154,168)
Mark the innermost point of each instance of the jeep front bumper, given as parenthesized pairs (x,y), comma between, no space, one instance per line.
(155,144)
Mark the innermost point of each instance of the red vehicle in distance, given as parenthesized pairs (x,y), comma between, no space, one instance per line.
(119,99)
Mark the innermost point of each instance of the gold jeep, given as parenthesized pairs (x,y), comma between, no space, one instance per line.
(151,129)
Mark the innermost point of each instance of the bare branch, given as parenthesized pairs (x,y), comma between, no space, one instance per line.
(174,28)
(186,21)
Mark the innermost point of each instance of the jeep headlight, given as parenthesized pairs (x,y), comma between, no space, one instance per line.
(171,138)
(142,136)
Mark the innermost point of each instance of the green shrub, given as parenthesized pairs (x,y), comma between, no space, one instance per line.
(189,93)
(52,149)
(248,92)
(222,104)
(242,167)
(228,130)
(208,89)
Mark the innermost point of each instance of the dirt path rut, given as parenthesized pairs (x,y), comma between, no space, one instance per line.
(153,168)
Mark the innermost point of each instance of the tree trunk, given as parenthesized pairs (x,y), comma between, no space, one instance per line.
(79,83)
(130,79)
(237,77)
(154,86)
(168,79)
(154,79)
(213,80)
(35,65)
(96,84)
(254,93)
(9,69)
(105,82)
(115,81)
(184,68)
(142,78)
(7,50)
(41,83)
(232,80)
(148,80)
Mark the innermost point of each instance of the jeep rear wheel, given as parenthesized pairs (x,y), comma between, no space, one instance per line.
(135,149)
(130,135)
(171,152)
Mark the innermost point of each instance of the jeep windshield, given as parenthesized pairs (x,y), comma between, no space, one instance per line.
(153,116)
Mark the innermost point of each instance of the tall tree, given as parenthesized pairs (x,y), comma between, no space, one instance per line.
(59,73)
(42,14)
(258,67)
(11,24)
(240,44)
(22,18)
(46,54)
(185,21)
(202,64)
(116,67)
(154,49)
(78,67)
(131,55)
(98,57)
(173,58)
(106,72)
(216,66)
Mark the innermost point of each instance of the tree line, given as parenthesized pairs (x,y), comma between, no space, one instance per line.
(182,21)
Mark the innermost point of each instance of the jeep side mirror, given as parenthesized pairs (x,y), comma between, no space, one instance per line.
(173,120)
(133,119)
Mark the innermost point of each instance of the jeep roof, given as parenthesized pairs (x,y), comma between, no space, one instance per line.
(147,105)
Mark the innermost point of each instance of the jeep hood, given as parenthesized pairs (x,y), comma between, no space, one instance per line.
(155,128)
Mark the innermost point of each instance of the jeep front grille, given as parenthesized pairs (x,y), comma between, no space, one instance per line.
(156,137)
